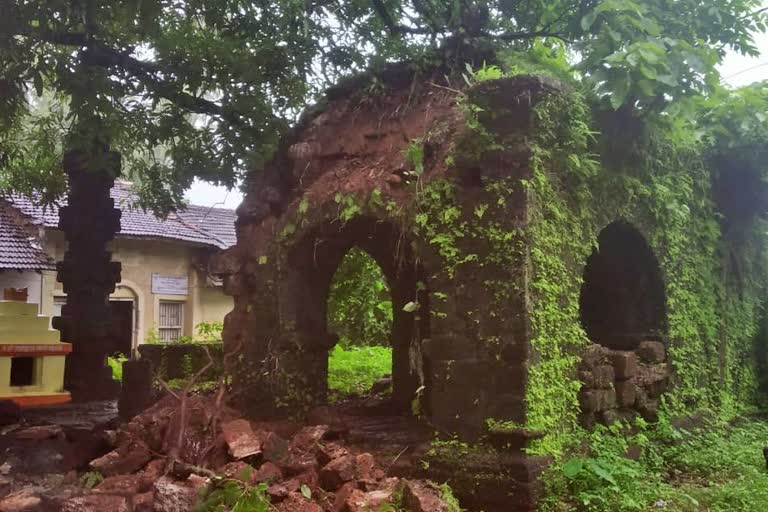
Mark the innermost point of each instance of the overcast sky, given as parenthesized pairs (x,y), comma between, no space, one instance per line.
(736,70)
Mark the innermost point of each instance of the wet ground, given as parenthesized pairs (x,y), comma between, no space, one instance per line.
(80,415)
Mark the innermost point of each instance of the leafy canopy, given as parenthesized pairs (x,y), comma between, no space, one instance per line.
(205,88)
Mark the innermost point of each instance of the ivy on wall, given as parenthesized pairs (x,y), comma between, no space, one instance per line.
(666,192)
(580,181)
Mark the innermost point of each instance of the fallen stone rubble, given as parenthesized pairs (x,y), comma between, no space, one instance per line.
(165,459)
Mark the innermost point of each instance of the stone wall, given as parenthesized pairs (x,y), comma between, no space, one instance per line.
(183,360)
(622,384)
(488,227)
(343,180)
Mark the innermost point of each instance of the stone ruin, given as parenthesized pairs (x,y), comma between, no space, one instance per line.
(625,372)
(344,179)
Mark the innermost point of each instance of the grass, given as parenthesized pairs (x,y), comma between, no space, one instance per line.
(115,363)
(353,370)
(720,469)
(716,467)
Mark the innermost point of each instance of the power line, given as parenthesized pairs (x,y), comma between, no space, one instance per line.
(747,69)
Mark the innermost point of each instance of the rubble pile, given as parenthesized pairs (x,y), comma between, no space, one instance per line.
(171,458)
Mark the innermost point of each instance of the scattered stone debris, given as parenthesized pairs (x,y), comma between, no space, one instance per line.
(165,458)
(241,440)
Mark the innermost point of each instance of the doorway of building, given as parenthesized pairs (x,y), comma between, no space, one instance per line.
(380,247)
(360,315)
(121,329)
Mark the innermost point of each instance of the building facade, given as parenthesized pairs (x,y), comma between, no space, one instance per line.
(165,289)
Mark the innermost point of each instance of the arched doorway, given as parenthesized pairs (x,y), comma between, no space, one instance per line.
(622,297)
(317,258)
(360,314)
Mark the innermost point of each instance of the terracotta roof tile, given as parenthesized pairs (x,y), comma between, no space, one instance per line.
(19,251)
(197,224)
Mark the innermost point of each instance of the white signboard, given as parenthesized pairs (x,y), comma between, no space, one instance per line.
(169,285)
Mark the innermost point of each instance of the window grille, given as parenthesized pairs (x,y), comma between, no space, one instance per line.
(171,318)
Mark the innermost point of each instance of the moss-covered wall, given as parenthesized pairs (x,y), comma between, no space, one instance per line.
(713,286)
(482,206)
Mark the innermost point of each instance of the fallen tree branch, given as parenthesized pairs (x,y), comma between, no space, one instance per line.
(175,448)
(220,393)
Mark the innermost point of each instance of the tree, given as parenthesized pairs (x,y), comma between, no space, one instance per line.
(359,302)
(215,83)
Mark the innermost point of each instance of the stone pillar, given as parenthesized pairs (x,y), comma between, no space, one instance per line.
(89,222)
(136,394)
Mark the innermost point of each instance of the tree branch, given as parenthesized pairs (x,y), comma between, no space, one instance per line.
(755,13)
(63,38)
(519,36)
(389,22)
(97,54)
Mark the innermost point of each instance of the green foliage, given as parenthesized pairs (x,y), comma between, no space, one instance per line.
(115,363)
(543,57)
(206,88)
(359,302)
(446,493)
(91,479)
(152,337)
(349,207)
(231,495)
(207,332)
(665,190)
(486,72)
(560,226)
(352,371)
(414,155)
(639,54)
(202,386)
(439,221)
(717,467)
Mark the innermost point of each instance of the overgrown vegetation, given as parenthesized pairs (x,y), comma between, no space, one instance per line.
(205,89)
(115,363)
(360,313)
(235,494)
(645,133)
(714,467)
(359,303)
(353,370)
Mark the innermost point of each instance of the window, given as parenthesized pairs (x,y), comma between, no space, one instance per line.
(171,317)
(22,371)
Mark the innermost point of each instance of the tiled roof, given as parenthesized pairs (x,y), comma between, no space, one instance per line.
(19,251)
(219,222)
(197,224)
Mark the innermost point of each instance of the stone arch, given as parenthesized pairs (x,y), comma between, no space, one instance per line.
(622,300)
(314,261)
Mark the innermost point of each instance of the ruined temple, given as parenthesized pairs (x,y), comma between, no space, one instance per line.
(534,291)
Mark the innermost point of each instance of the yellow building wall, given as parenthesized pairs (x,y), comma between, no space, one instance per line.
(21,325)
(140,258)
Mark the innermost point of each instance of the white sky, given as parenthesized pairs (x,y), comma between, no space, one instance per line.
(736,70)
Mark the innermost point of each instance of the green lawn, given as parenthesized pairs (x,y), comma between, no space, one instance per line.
(352,371)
